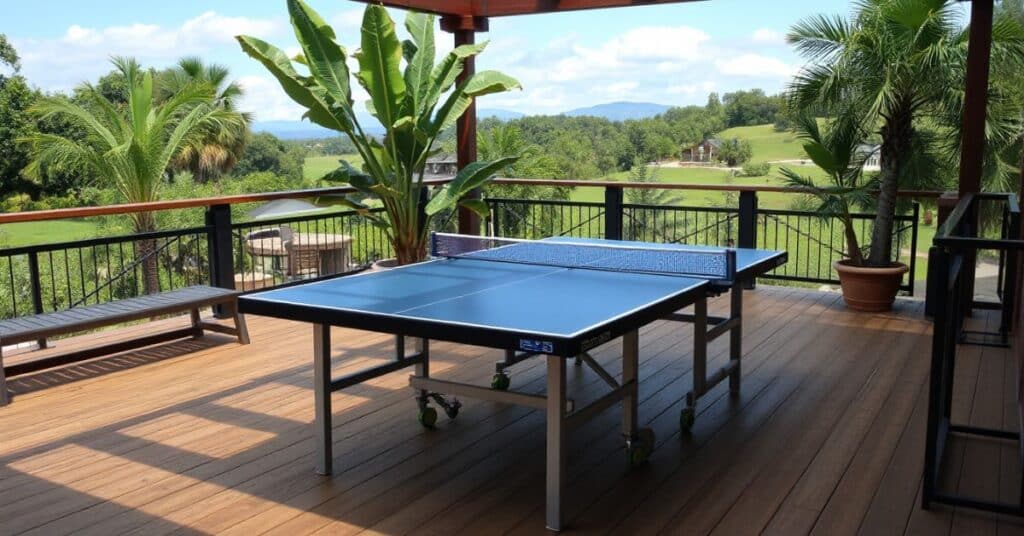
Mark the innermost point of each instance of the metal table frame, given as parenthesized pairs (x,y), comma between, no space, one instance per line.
(562,415)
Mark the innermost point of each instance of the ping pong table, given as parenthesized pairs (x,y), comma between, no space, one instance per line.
(558,297)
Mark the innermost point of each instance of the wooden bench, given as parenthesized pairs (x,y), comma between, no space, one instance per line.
(41,326)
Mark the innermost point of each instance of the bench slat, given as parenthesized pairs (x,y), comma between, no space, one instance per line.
(97,315)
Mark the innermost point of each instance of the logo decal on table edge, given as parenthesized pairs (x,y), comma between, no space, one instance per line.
(533,345)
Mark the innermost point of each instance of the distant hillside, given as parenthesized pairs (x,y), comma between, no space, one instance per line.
(304,130)
(621,111)
(767,143)
(497,113)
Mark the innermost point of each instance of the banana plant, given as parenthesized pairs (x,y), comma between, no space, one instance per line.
(414,102)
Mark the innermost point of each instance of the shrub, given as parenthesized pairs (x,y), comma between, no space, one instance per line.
(756,169)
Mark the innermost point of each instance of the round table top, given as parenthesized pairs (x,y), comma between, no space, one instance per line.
(274,246)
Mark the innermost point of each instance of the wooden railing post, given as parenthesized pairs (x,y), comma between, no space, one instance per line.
(747,232)
(613,213)
(37,289)
(222,269)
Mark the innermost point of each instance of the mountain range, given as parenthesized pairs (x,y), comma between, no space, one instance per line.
(613,111)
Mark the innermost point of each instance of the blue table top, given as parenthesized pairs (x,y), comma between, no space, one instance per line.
(517,297)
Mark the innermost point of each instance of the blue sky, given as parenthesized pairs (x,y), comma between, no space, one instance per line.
(670,54)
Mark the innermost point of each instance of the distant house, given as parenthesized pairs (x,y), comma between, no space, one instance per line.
(872,155)
(442,164)
(705,151)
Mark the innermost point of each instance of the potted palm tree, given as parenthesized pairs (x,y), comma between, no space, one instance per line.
(414,105)
(897,62)
(865,287)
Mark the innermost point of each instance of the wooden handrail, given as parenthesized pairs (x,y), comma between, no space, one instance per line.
(678,186)
(129,208)
(172,204)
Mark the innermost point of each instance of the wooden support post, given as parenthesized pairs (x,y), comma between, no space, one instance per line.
(465,135)
(222,269)
(37,289)
(979,50)
(746,235)
(613,213)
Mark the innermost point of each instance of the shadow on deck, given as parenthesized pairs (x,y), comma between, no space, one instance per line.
(212,437)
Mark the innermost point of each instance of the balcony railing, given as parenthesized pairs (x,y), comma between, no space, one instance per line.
(951,298)
(252,255)
(813,242)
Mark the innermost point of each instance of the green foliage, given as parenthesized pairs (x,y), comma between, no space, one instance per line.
(414,105)
(835,152)
(756,169)
(15,99)
(735,152)
(751,107)
(8,55)
(645,173)
(131,146)
(891,65)
(221,146)
(265,152)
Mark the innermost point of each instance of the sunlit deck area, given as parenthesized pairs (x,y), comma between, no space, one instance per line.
(207,436)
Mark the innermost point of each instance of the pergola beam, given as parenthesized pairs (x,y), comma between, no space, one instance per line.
(504,8)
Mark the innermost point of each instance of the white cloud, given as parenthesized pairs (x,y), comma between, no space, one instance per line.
(665,49)
(82,53)
(703,88)
(754,66)
(346,21)
(621,89)
(266,100)
(767,36)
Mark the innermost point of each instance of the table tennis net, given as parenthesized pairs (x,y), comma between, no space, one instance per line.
(704,263)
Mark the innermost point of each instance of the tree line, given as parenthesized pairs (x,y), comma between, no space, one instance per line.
(559,146)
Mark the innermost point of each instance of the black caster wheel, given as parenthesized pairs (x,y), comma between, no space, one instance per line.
(501,382)
(427,417)
(639,448)
(452,410)
(686,419)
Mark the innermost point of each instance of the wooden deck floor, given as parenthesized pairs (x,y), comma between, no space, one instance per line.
(211,437)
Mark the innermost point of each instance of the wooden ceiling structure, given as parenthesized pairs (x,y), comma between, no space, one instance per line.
(463,18)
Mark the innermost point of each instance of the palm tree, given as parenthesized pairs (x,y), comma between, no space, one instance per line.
(131,146)
(221,148)
(835,152)
(895,62)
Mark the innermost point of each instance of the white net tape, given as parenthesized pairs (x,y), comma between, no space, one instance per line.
(705,263)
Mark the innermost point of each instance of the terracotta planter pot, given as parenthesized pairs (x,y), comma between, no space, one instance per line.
(869,289)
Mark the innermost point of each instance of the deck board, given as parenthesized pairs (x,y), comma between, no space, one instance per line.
(206,436)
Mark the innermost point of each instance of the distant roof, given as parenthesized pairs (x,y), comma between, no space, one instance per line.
(868,148)
(443,158)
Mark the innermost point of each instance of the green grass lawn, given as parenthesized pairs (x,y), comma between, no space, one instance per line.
(766,143)
(318,166)
(711,176)
(45,232)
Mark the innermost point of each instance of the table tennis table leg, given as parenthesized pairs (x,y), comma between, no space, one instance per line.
(556,436)
(736,336)
(630,365)
(423,367)
(322,397)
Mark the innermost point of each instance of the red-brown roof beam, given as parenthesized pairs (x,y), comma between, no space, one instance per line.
(503,8)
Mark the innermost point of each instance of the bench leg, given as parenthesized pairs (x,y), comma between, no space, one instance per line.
(5,398)
(197,324)
(240,327)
